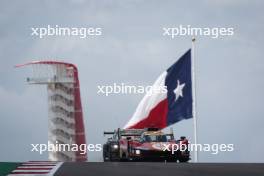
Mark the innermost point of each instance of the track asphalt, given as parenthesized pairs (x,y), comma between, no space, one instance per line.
(159,169)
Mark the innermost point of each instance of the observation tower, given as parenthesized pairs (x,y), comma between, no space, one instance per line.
(65,115)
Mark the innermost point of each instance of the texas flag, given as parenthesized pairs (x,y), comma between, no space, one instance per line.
(164,108)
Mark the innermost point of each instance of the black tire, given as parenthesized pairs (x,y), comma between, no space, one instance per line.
(105,159)
(183,157)
(183,160)
(174,160)
(106,153)
(123,158)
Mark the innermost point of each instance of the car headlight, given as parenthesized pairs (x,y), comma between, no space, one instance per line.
(115,146)
(138,152)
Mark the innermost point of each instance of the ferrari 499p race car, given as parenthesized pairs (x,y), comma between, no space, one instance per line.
(149,144)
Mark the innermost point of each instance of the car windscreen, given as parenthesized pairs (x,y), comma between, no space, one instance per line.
(155,138)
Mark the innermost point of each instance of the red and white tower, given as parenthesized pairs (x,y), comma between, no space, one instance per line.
(65,114)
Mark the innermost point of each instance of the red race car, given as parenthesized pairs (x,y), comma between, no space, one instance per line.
(149,144)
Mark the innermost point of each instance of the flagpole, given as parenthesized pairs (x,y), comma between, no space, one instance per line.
(194,100)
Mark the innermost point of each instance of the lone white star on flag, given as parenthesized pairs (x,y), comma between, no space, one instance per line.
(178,90)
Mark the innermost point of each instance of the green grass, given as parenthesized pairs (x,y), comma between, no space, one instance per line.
(6,168)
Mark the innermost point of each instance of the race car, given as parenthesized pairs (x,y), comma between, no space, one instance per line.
(149,144)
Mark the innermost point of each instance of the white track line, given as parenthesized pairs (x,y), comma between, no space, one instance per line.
(52,172)
(36,169)
(19,167)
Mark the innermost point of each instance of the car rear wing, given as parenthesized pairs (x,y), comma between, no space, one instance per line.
(109,133)
(125,132)
(134,132)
